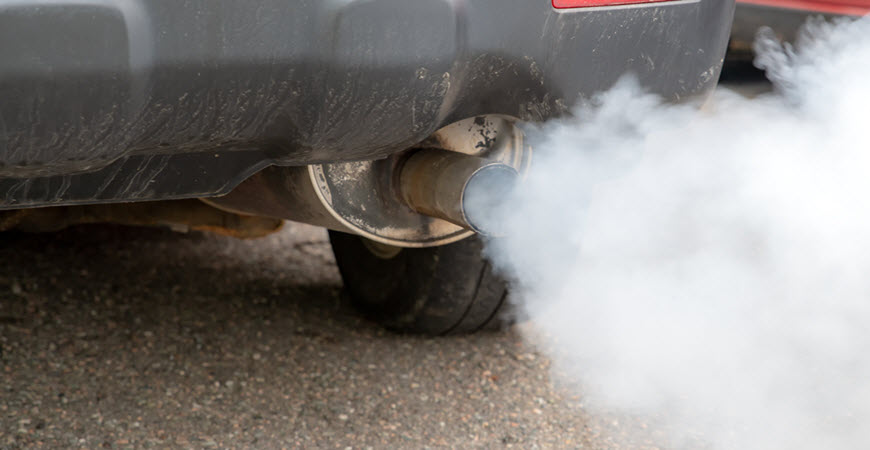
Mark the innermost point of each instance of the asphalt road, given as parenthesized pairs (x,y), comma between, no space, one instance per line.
(122,337)
(115,337)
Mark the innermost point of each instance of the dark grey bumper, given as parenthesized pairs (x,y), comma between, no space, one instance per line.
(110,100)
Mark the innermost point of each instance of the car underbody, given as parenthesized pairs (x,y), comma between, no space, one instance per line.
(156,100)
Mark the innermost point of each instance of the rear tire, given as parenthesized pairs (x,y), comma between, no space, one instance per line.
(443,290)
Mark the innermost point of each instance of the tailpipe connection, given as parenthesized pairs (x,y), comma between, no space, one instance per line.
(468,191)
(455,183)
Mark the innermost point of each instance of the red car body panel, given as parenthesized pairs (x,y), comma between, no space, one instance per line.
(836,7)
(567,4)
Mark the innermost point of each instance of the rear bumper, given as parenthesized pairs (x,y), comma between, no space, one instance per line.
(108,100)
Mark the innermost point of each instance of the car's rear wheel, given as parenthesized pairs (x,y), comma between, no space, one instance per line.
(449,289)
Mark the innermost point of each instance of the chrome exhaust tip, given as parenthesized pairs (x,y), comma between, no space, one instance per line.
(468,191)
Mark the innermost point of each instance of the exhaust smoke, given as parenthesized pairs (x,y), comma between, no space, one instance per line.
(711,268)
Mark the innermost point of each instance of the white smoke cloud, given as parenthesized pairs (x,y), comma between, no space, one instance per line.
(712,267)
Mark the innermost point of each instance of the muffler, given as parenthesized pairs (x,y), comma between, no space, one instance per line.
(453,185)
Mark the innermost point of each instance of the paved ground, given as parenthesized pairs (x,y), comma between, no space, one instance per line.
(122,337)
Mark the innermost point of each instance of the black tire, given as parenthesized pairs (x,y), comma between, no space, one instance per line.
(443,290)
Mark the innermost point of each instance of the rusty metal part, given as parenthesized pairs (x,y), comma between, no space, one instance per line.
(281,193)
(10,218)
(181,215)
(461,189)
(363,197)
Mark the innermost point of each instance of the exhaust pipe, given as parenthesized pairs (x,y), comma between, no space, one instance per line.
(456,185)
(468,191)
